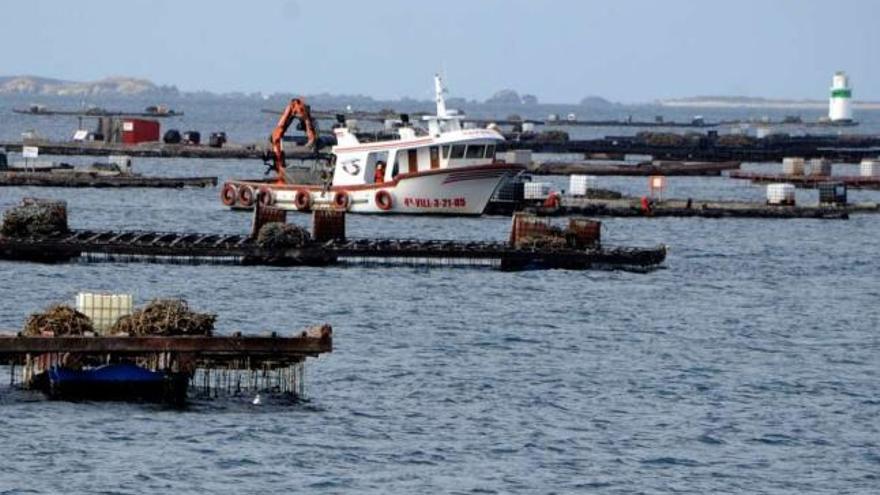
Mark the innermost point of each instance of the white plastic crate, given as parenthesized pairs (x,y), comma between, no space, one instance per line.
(522,157)
(536,190)
(121,161)
(818,166)
(793,166)
(103,309)
(780,194)
(580,184)
(870,168)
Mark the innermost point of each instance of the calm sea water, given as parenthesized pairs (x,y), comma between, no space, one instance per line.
(749,364)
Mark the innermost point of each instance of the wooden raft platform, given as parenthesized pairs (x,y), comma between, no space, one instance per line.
(71,367)
(809,181)
(209,349)
(85,179)
(242,249)
(97,112)
(846,148)
(707,148)
(632,207)
(156,150)
(640,169)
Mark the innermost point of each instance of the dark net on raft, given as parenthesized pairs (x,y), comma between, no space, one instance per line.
(35,217)
(166,317)
(280,235)
(58,320)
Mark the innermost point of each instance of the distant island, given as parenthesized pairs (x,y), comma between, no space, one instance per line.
(755,102)
(124,86)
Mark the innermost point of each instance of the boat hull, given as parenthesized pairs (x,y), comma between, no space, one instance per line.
(451,191)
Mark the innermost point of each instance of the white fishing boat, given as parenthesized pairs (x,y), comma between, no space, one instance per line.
(441,169)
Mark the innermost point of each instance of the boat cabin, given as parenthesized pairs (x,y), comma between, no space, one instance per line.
(445,144)
(358,164)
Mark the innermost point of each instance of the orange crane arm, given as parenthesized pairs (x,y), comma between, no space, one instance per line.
(297,108)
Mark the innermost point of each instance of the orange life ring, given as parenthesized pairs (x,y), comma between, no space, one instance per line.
(265,197)
(229,194)
(342,200)
(246,196)
(383,200)
(302,200)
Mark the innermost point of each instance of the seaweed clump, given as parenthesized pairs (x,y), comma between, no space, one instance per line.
(58,320)
(282,235)
(35,217)
(165,317)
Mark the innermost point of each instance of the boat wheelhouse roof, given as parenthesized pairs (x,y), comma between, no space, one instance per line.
(444,128)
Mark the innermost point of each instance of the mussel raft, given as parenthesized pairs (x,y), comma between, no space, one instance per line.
(156,353)
(577,248)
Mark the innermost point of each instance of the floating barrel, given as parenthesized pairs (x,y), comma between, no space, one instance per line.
(172,136)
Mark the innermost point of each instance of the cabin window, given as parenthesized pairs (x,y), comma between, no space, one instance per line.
(475,151)
(435,157)
(376,169)
(446,151)
(457,151)
(490,151)
(412,160)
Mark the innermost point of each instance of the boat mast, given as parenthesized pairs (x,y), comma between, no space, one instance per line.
(439,89)
(445,120)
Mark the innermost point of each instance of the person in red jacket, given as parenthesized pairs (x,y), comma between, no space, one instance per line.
(380,172)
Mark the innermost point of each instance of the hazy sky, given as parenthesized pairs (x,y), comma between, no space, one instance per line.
(624,50)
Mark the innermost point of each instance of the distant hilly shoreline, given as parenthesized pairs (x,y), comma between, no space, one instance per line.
(754,102)
(122,86)
(135,87)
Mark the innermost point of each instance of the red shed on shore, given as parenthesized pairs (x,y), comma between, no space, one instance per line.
(139,131)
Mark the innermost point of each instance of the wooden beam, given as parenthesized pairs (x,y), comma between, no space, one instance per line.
(306,344)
